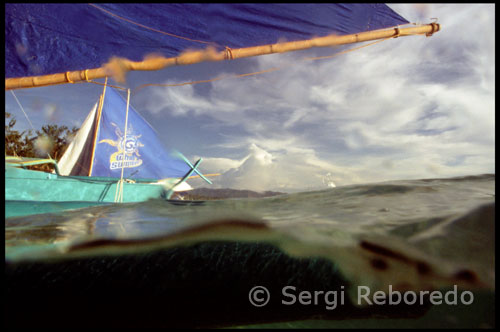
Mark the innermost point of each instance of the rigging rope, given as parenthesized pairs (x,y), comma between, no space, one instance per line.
(119,187)
(229,55)
(152,29)
(22,109)
(27,118)
(246,74)
(118,67)
(264,71)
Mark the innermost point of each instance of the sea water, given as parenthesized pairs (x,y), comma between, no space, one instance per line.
(267,262)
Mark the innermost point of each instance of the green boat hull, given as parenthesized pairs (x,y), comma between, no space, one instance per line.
(30,192)
(26,208)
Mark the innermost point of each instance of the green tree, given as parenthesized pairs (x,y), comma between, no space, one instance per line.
(17,143)
(59,138)
(50,140)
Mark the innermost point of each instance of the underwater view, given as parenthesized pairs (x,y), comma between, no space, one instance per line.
(405,254)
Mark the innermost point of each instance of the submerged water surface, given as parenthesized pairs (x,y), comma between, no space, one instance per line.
(413,235)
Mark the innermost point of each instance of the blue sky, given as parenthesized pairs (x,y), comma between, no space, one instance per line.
(407,108)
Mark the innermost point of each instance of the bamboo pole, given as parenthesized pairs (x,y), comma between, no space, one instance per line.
(117,67)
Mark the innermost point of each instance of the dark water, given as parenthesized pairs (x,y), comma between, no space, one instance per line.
(161,264)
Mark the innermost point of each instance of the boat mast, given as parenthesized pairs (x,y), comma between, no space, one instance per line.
(97,123)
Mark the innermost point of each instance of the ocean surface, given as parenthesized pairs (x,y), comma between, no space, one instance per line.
(198,264)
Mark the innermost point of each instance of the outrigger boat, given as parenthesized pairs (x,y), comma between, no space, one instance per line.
(51,44)
(104,164)
(32,192)
(56,43)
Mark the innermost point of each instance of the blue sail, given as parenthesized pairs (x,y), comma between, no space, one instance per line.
(138,149)
(53,38)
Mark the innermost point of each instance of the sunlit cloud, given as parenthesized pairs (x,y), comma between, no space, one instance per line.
(407,108)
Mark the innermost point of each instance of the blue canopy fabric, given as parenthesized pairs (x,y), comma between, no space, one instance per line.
(54,38)
(139,150)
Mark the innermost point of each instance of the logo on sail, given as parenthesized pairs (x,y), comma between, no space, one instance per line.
(127,155)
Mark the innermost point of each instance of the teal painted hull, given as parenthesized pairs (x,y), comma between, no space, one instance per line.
(30,192)
(26,208)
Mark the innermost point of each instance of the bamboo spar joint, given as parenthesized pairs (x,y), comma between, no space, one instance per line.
(118,67)
(435,28)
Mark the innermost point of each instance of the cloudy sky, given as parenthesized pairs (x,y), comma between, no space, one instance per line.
(407,108)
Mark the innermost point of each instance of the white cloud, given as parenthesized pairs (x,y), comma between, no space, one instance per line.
(220,165)
(290,171)
(413,107)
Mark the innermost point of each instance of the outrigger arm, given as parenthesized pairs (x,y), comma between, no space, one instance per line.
(193,169)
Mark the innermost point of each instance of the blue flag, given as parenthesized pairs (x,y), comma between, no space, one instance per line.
(140,152)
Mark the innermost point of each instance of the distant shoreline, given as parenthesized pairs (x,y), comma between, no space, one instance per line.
(224,193)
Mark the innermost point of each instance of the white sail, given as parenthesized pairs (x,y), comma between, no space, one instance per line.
(75,148)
